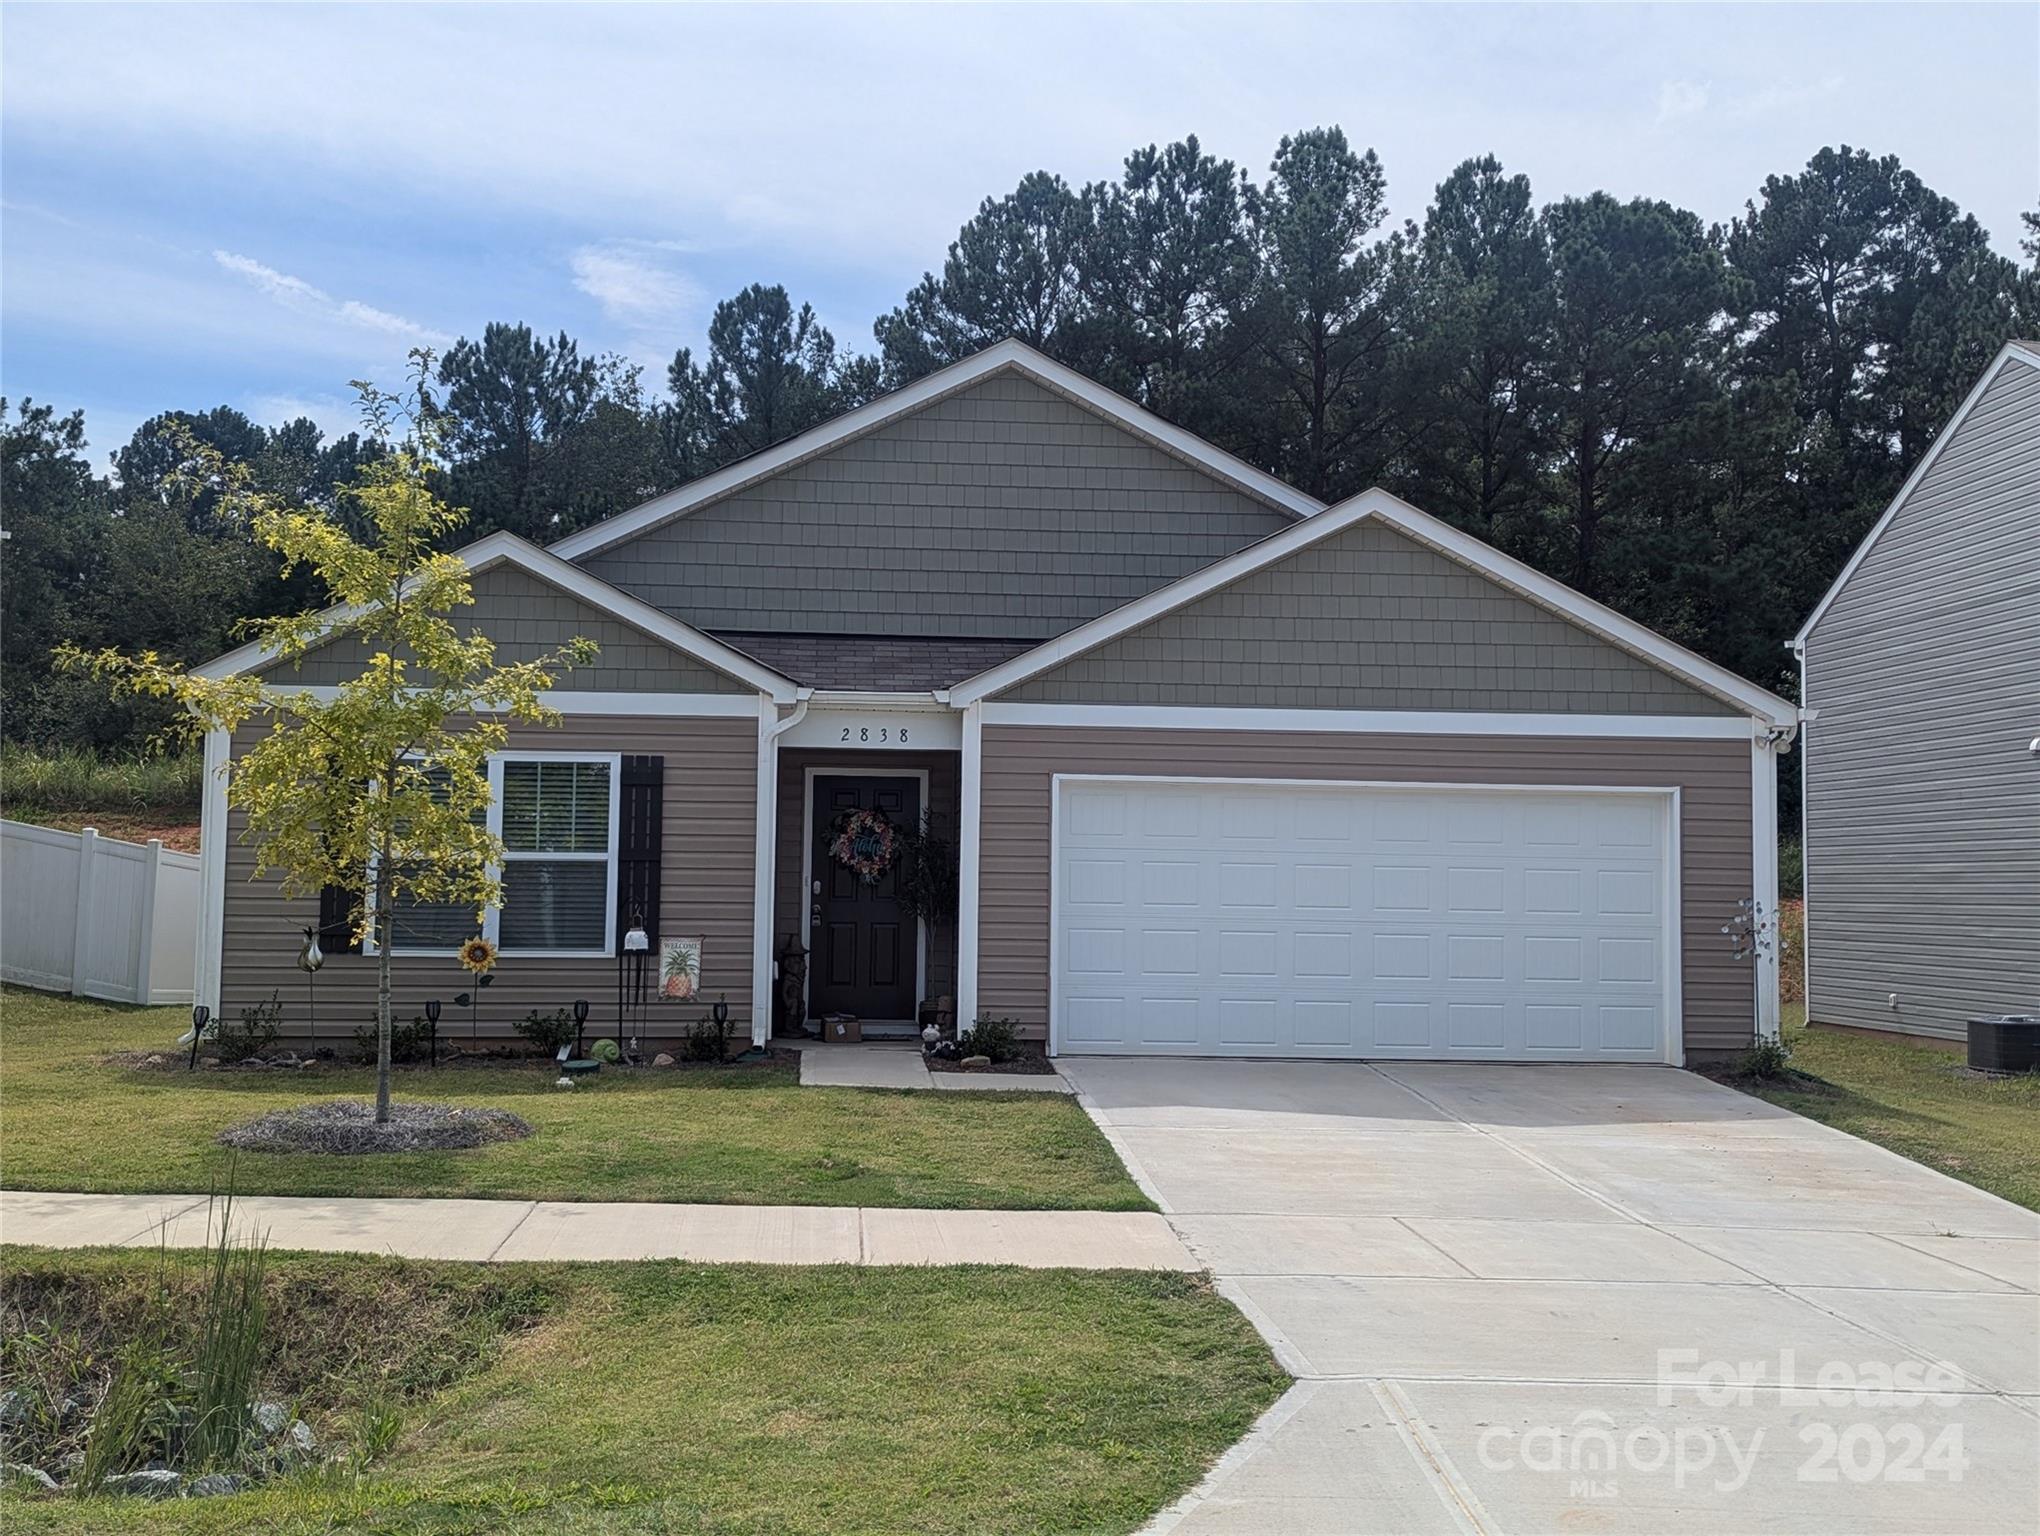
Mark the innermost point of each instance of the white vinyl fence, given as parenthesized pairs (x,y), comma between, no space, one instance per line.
(87,914)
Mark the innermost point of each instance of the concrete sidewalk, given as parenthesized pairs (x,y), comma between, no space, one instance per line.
(507,1230)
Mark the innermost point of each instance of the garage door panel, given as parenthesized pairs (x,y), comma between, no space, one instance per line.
(1276,920)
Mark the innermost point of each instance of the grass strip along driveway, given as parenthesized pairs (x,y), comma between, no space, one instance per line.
(734,1400)
(1920,1102)
(751,1136)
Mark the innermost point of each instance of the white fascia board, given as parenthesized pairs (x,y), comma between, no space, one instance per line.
(1407,722)
(500,547)
(901,402)
(2010,353)
(1597,618)
(878,698)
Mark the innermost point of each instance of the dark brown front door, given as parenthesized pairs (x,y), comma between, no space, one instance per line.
(865,947)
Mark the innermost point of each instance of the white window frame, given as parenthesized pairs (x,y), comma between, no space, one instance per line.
(491,919)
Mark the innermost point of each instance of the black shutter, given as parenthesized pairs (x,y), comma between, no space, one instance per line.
(640,824)
(338,907)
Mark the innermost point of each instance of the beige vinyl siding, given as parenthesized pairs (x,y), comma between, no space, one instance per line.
(1020,762)
(945,793)
(705,868)
(528,618)
(1004,510)
(1922,798)
(1368,619)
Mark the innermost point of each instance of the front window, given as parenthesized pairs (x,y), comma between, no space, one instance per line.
(556,814)
(559,854)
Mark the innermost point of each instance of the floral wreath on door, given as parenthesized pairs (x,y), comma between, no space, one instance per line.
(864,842)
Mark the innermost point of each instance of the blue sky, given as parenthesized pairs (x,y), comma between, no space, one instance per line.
(253,204)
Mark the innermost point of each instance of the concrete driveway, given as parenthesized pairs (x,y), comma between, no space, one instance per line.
(1560,1299)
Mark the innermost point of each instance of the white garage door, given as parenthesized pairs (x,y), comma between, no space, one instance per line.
(1233,919)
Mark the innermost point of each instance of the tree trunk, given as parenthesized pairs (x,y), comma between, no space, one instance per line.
(383,930)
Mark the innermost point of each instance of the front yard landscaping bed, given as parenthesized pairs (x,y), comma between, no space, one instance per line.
(747,1135)
(1919,1101)
(674,1397)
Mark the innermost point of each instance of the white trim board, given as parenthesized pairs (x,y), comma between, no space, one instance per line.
(1670,823)
(1000,357)
(2011,352)
(1505,571)
(572,701)
(209,962)
(1413,722)
(807,880)
(501,548)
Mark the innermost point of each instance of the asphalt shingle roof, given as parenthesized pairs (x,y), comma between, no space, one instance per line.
(880,663)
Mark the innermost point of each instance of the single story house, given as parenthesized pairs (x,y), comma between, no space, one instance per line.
(1229,772)
(1921,683)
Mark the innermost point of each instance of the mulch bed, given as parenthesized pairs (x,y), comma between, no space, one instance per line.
(1033,1063)
(451,1059)
(348,1128)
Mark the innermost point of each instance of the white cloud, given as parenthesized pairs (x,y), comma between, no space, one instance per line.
(1784,98)
(301,295)
(332,415)
(1680,98)
(637,282)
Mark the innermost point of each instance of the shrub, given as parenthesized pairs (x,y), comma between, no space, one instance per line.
(993,1037)
(707,1040)
(1791,868)
(1767,1060)
(548,1031)
(409,1043)
(252,1034)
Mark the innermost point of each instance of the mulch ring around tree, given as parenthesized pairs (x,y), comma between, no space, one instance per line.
(347,1128)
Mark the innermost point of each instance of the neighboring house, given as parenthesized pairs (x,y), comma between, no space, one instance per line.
(1229,772)
(1921,683)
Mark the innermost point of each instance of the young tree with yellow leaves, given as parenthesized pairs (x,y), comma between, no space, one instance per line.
(386,774)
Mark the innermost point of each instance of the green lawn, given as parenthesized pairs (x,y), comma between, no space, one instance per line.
(70,1121)
(1917,1101)
(733,1400)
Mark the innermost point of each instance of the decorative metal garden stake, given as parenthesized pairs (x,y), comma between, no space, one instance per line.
(432,1018)
(200,1017)
(580,1021)
(309,959)
(633,960)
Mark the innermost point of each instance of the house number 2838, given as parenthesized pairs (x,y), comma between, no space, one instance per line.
(878,733)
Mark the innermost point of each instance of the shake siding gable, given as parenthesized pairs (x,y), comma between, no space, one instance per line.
(527,617)
(1367,618)
(1006,509)
(1922,796)
(706,862)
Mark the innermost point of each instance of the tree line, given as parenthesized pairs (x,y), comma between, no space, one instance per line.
(1694,424)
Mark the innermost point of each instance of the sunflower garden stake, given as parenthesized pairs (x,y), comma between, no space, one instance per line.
(385,774)
(477,956)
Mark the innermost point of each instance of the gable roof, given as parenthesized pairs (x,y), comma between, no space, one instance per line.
(2023,353)
(1004,356)
(503,547)
(1596,618)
